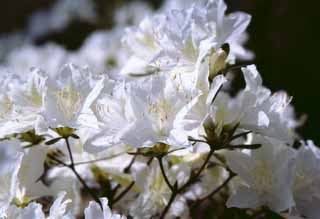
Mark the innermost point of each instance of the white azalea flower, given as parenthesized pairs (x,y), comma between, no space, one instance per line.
(58,208)
(254,109)
(268,176)
(103,53)
(59,16)
(306,187)
(68,94)
(93,211)
(8,155)
(192,116)
(112,116)
(6,105)
(32,211)
(132,13)
(9,185)
(144,47)
(175,38)
(29,56)
(155,102)
(156,193)
(27,98)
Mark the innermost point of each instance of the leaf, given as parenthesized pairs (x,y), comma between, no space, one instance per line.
(243,146)
(75,136)
(53,141)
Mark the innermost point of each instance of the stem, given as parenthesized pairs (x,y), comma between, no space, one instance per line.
(69,151)
(164,174)
(73,169)
(123,193)
(84,184)
(97,160)
(192,179)
(167,208)
(174,189)
(240,135)
(214,192)
(127,169)
(126,190)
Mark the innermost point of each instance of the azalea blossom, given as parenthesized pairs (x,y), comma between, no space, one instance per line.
(141,122)
(267,174)
(94,211)
(68,94)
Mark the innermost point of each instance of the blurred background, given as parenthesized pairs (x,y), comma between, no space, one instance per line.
(284,36)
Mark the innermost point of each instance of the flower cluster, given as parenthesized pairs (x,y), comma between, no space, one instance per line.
(141,122)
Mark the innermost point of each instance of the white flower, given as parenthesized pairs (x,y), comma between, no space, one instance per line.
(111,116)
(156,193)
(6,105)
(177,37)
(32,211)
(62,13)
(155,102)
(27,57)
(253,109)
(58,208)
(9,185)
(93,211)
(32,168)
(192,116)
(8,155)
(267,174)
(132,13)
(306,187)
(103,53)
(68,94)
(144,47)
(27,98)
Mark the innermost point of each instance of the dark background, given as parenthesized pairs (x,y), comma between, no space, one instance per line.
(283,34)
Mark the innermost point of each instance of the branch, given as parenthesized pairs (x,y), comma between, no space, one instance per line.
(214,192)
(164,174)
(123,193)
(84,184)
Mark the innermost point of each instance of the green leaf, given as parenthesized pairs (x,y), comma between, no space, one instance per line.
(53,141)
(75,136)
(243,146)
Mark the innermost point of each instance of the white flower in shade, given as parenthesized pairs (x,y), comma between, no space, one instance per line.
(9,185)
(103,53)
(155,193)
(155,102)
(58,208)
(306,187)
(29,56)
(180,4)
(6,104)
(69,93)
(8,155)
(93,211)
(267,174)
(32,168)
(62,13)
(32,211)
(132,13)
